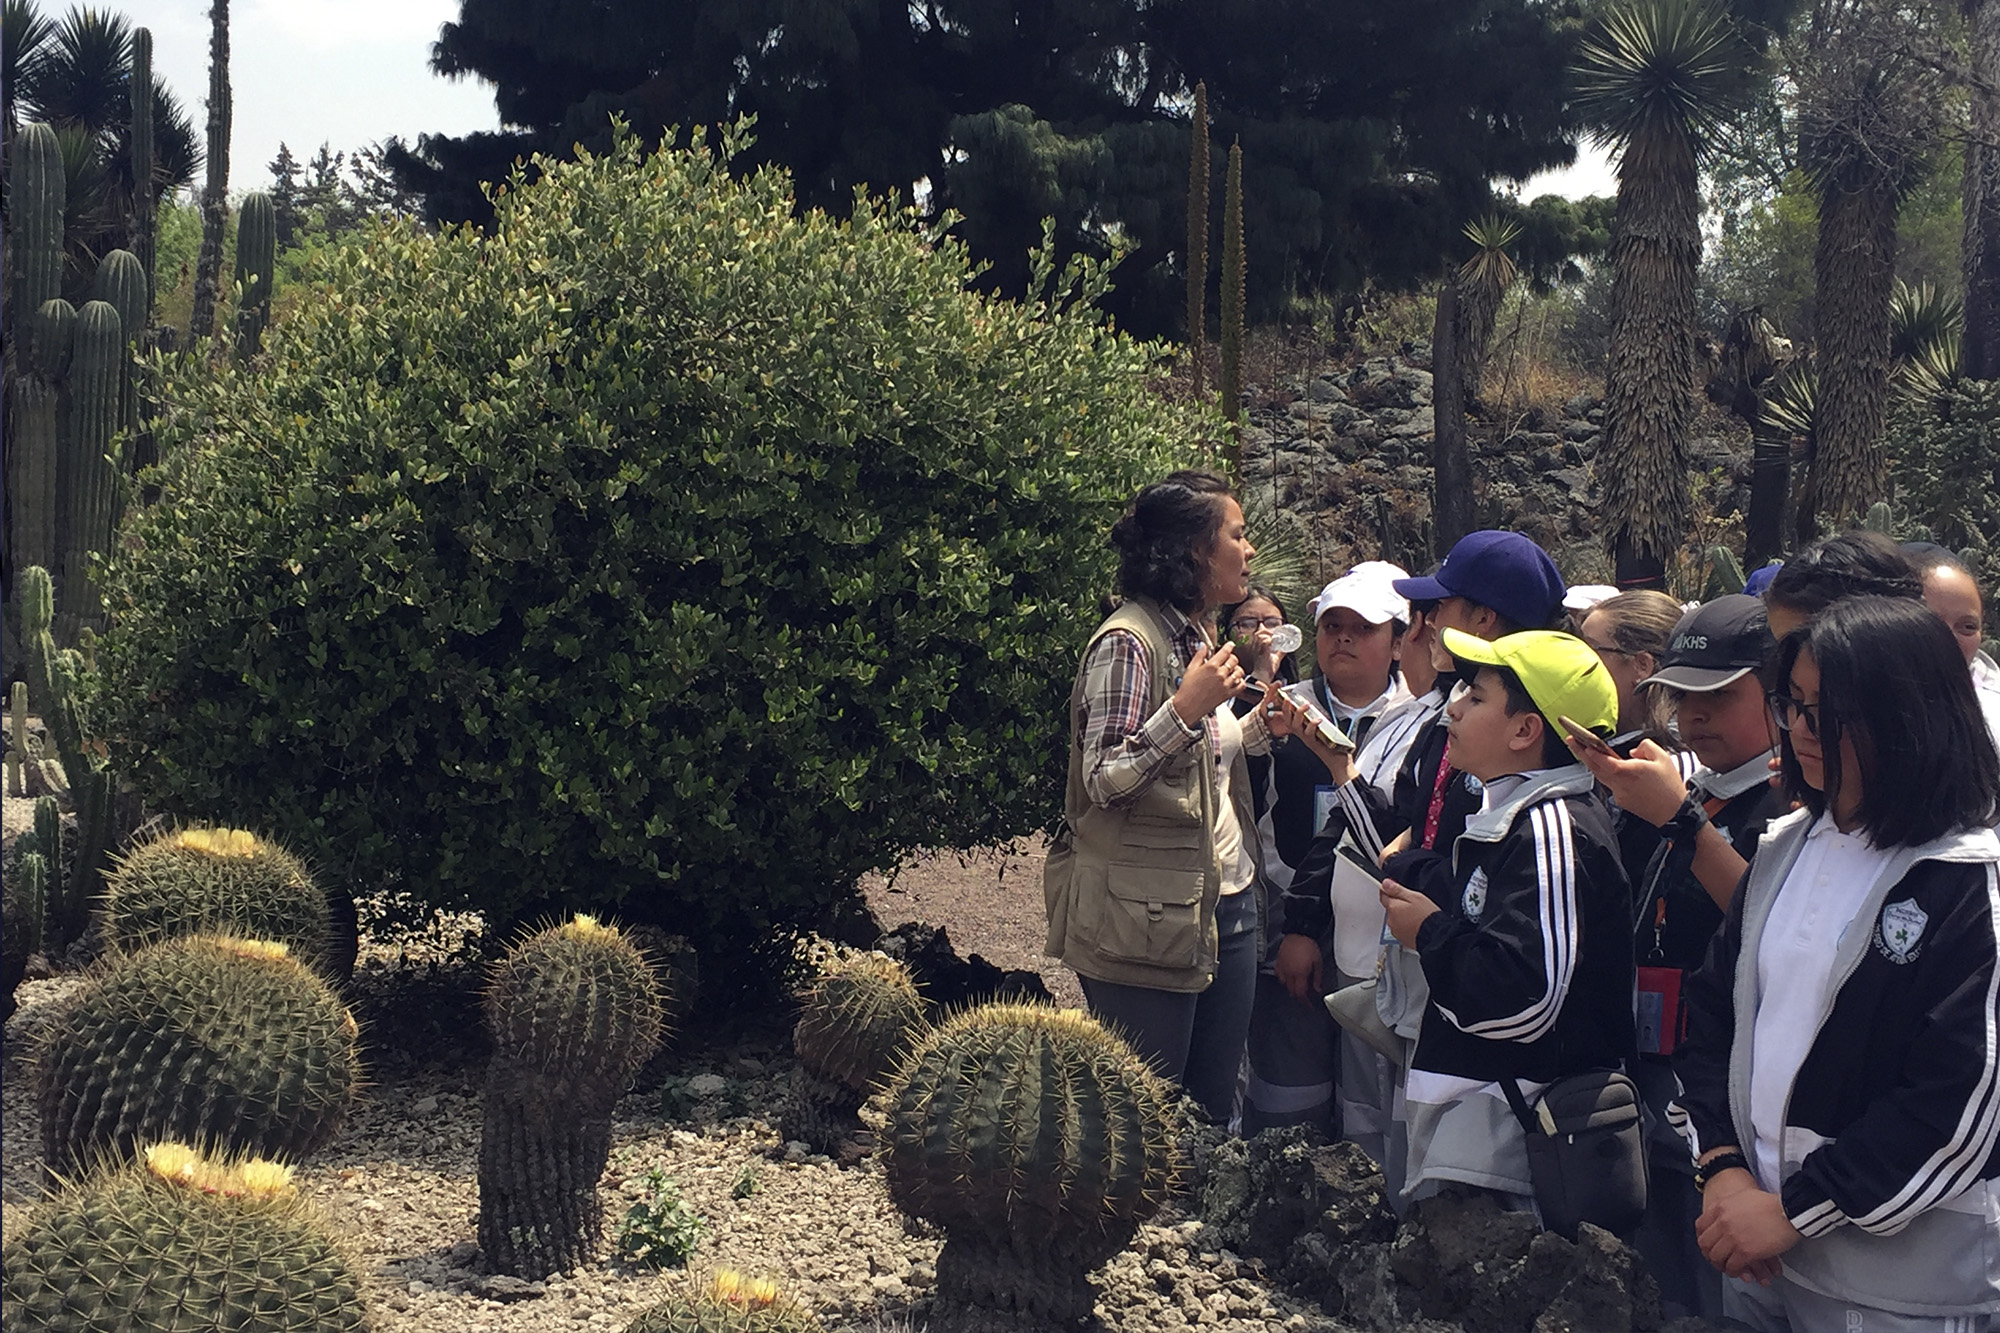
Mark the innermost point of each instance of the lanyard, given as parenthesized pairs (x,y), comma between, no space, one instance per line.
(1436,812)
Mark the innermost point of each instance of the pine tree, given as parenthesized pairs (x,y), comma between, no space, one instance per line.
(285,195)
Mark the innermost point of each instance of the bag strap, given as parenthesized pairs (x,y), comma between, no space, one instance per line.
(1529,1123)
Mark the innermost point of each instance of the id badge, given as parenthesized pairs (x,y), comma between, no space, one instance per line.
(1322,807)
(1661,1019)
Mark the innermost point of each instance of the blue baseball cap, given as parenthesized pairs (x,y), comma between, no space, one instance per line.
(1760,578)
(1503,570)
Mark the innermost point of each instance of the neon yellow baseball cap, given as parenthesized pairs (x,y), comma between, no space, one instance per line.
(1560,672)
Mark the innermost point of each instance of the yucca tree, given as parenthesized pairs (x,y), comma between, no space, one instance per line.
(1869,120)
(1659,81)
(1926,338)
(1483,283)
(215,191)
(24,39)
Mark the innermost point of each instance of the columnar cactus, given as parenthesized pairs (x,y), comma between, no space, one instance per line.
(37,191)
(730,1304)
(145,204)
(853,1024)
(121,282)
(1879,518)
(256,267)
(23,899)
(1038,1142)
(176,1243)
(51,678)
(214,881)
(214,1040)
(1232,300)
(96,377)
(574,1011)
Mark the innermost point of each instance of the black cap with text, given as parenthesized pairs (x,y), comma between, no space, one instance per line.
(1714,644)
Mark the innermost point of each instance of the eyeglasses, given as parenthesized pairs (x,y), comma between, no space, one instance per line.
(1784,709)
(1602,648)
(1251,624)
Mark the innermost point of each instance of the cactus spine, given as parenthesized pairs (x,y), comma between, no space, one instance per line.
(853,1025)
(145,205)
(181,1242)
(1232,304)
(1197,236)
(256,264)
(574,1011)
(17,750)
(51,675)
(1038,1141)
(731,1304)
(214,881)
(213,1040)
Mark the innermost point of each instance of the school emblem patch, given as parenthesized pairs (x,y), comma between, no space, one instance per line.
(1900,933)
(1474,901)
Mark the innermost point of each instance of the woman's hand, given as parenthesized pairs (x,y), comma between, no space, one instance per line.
(1212,679)
(1407,910)
(1282,717)
(1743,1228)
(1646,785)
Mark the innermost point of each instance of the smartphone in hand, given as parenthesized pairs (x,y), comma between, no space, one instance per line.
(1585,737)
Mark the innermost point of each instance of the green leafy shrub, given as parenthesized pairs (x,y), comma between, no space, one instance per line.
(661,549)
(662,1229)
(1943,443)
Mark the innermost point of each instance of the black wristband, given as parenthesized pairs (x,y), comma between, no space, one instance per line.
(1715,1166)
(1686,822)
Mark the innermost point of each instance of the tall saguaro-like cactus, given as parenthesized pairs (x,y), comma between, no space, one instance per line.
(145,204)
(1197,236)
(121,281)
(38,194)
(256,265)
(1232,304)
(89,475)
(215,192)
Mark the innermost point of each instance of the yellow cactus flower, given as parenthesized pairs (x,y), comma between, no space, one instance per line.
(175,1162)
(583,926)
(219,841)
(242,948)
(260,1176)
(763,1292)
(727,1285)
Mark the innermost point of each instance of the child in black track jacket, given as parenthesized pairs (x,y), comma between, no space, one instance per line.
(1524,931)
(1841,1073)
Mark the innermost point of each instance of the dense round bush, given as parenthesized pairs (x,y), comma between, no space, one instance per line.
(662,549)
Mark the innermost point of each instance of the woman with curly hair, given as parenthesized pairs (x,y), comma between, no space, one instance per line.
(1150,886)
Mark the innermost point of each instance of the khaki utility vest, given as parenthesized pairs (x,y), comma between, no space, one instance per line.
(1131,893)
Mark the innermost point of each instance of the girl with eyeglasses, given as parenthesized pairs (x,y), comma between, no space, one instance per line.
(1841,1071)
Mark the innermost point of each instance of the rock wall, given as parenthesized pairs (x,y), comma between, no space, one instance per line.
(1349,450)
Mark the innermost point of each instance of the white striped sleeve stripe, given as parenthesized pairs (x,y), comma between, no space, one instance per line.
(1958,1162)
(1359,822)
(1555,873)
(1819,1219)
(1681,1123)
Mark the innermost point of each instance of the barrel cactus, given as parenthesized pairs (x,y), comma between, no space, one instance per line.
(574,1011)
(1037,1141)
(730,1304)
(180,1243)
(853,1024)
(211,1039)
(198,881)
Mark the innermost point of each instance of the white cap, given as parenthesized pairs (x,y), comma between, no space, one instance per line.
(1584,596)
(1368,591)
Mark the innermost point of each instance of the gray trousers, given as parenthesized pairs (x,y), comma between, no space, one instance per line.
(1787,1307)
(1195,1038)
(1304,1070)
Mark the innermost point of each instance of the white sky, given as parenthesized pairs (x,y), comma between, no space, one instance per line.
(350,72)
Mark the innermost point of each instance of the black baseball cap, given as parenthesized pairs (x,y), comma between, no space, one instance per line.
(1716,643)
(1503,570)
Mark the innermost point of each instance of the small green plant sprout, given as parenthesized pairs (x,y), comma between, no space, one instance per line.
(747,1182)
(662,1229)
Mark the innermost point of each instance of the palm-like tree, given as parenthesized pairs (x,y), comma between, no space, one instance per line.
(1869,118)
(1659,80)
(1483,281)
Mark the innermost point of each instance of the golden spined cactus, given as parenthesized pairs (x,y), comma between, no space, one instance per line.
(204,880)
(854,1022)
(729,1303)
(574,1011)
(1037,1141)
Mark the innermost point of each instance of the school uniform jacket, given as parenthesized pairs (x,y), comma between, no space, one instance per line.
(1530,969)
(1891,1143)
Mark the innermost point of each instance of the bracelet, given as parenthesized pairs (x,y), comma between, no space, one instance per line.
(1686,823)
(1715,1166)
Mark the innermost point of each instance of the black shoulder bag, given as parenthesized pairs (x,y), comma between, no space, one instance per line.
(1586,1152)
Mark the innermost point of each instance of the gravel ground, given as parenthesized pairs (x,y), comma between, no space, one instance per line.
(399,1182)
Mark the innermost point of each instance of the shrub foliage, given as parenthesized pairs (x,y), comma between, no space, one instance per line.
(659,548)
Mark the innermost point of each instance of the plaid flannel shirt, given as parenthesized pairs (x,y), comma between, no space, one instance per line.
(1124,751)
